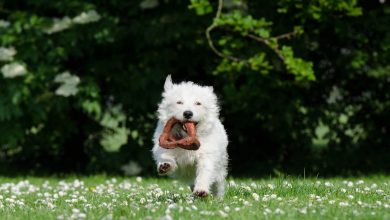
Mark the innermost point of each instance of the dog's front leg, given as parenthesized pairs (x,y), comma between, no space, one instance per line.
(204,177)
(166,163)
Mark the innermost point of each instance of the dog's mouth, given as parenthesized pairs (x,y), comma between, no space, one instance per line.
(172,136)
(186,125)
(189,127)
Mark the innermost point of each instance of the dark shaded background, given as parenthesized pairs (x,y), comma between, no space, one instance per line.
(336,125)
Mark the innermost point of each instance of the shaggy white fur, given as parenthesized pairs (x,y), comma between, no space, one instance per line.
(205,169)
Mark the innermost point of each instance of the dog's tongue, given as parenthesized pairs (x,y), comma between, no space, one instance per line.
(190,128)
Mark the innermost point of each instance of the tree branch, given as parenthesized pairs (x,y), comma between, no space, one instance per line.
(266,42)
(286,35)
(212,27)
(251,36)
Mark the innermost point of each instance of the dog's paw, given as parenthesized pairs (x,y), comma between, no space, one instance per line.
(164,168)
(201,193)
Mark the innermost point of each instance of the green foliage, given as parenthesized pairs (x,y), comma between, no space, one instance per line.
(115,134)
(259,63)
(244,24)
(201,7)
(258,30)
(302,69)
(303,84)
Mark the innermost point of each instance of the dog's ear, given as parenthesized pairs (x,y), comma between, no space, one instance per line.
(168,83)
(210,88)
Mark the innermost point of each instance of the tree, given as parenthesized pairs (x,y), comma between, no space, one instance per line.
(302,83)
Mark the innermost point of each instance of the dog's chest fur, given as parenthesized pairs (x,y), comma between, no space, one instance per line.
(185,157)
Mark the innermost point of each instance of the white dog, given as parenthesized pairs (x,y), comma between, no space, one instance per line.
(204,169)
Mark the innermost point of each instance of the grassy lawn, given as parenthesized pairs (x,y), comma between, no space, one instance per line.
(99,197)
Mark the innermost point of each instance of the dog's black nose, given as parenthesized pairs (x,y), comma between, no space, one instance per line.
(188,114)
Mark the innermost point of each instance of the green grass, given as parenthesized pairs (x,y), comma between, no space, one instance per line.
(99,197)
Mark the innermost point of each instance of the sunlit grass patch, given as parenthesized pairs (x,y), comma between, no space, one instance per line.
(99,197)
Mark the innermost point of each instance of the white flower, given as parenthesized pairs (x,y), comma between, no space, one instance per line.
(223,214)
(69,84)
(13,70)
(59,25)
(246,188)
(66,77)
(7,54)
(246,203)
(303,210)
(166,217)
(51,205)
(271,186)
(4,23)
(131,169)
(359,182)
(328,184)
(86,17)
(172,206)
(46,194)
(279,211)
(138,179)
(343,204)
(255,196)
(66,90)
(287,184)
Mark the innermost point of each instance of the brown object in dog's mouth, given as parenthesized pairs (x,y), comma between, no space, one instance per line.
(169,141)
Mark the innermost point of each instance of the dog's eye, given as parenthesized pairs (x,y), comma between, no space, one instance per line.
(179,102)
(198,103)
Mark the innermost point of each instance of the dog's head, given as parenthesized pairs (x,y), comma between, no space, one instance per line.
(187,101)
